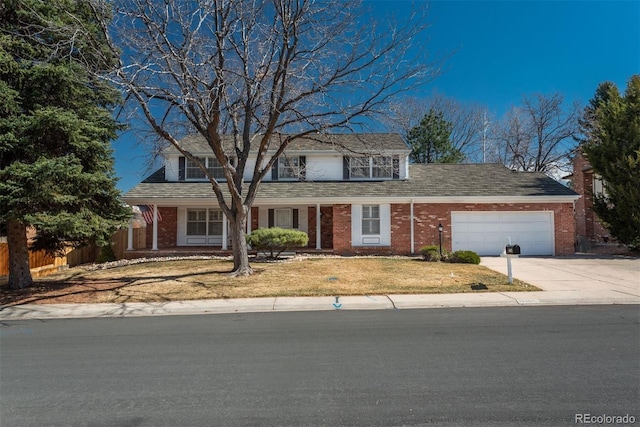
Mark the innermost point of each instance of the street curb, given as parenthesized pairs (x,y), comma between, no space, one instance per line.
(297,304)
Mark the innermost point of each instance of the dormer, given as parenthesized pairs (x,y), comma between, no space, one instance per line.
(337,157)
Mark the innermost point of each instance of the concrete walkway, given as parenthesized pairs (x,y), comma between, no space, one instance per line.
(564,281)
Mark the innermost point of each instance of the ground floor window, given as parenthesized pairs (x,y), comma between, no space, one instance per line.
(370,219)
(204,222)
(283,218)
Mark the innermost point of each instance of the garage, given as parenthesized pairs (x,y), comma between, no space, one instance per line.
(487,233)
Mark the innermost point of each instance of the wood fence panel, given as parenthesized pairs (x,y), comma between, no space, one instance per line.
(83,255)
(119,242)
(74,257)
(4,259)
(39,259)
(40,262)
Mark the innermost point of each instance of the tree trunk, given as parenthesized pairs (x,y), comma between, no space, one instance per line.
(19,272)
(241,265)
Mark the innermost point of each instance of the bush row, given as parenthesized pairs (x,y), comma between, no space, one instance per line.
(432,254)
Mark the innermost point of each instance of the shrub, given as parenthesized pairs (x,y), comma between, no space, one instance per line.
(430,253)
(273,241)
(465,257)
(106,254)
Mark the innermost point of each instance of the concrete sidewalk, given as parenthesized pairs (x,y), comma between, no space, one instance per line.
(565,281)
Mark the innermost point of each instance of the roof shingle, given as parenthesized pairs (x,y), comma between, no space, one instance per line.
(431,180)
(370,143)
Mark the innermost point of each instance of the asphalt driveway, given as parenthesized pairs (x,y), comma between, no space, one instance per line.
(612,275)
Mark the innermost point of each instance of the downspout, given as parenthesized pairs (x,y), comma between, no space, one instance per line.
(154,243)
(412,229)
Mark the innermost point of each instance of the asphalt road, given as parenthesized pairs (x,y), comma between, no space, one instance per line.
(465,366)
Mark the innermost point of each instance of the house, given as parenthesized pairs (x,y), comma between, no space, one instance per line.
(358,194)
(589,230)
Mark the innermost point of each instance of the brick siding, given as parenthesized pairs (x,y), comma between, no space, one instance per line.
(336,226)
(167,229)
(326,227)
(588,227)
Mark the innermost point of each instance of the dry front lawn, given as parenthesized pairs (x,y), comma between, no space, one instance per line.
(207,279)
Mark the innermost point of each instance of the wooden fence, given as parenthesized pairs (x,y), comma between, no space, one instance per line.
(42,264)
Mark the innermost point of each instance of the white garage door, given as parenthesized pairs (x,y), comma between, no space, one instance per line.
(487,233)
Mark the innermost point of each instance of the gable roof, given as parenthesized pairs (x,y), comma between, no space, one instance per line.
(361,143)
(449,181)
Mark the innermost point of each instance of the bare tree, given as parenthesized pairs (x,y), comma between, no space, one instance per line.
(467,121)
(251,76)
(537,136)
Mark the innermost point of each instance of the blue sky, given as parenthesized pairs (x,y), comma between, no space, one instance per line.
(502,50)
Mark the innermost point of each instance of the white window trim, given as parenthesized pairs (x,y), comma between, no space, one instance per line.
(358,239)
(207,221)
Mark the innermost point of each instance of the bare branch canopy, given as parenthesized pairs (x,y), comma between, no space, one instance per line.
(250,76)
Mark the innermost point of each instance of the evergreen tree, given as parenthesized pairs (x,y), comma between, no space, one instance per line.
(56,124)
(430,140)
(611,125)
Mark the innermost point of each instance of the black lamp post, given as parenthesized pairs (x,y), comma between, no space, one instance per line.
(440,228)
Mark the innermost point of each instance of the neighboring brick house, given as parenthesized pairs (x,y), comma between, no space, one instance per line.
(586,183)
(354,202)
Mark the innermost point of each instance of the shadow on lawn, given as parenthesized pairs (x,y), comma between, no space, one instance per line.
(62,291)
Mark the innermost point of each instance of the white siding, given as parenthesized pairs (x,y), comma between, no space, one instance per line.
(324,168)
(171,169)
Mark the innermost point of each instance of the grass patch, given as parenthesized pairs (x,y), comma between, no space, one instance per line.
(208,279)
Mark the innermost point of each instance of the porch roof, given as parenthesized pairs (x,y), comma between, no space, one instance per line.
(426,181)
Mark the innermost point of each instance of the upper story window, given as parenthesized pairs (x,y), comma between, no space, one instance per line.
(214,167)
(372,167)
(289,167)
(598,188)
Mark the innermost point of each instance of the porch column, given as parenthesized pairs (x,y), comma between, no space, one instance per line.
(318,237)
(154,244)
(130,236)
(249,221)
(224,233)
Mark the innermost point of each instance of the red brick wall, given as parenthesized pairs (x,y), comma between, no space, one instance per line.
(167,229)
(342,229)
(326,226)
(401,227)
